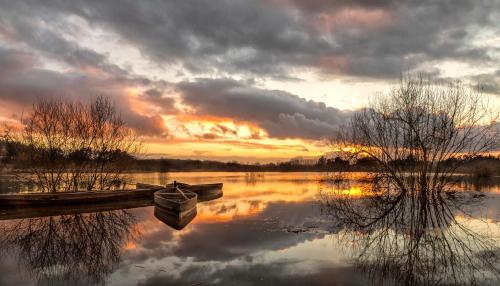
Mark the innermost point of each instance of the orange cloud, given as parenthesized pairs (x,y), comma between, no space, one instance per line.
(359,18)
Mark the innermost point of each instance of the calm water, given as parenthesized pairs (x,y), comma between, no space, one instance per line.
(267,229)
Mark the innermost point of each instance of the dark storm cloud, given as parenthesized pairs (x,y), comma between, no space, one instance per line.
(43,30)
(266,38)
(22,83)
(13,61)
(322,5)
(280,113)
(44,34)
(377,39)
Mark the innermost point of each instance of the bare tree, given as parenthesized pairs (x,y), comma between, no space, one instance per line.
(406,219)
(74,146)
(413,132)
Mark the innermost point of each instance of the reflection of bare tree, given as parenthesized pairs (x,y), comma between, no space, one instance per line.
(70,247)
(415,238)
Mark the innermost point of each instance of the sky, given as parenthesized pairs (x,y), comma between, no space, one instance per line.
(250,81)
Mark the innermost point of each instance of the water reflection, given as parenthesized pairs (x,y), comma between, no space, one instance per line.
(415,237)
(69,248)
(174,220)
(269,230)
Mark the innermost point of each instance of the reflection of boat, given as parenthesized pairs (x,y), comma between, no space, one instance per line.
(176,205)
(58,210)
(174,220)
(176,201)
(205,192)
(87,197)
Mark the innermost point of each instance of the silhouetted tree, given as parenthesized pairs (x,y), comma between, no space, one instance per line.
(423,122)
(74,146)
(406,221)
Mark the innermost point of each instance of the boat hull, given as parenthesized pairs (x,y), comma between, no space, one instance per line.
(58,210)
(205,192)
(175,202)
(65,198)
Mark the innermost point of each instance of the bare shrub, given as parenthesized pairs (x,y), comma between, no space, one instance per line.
(73,146)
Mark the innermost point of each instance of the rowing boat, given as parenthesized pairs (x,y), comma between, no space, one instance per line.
(205,192)
(198,187)
(176,201)
(60,210)
(86,197)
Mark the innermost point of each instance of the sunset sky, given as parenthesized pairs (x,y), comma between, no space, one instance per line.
(252,81)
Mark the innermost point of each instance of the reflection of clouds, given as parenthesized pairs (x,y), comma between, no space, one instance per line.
(225,240)
(488,209)
(242,201)
(243,238)
(276,267)
(248,237)
(206,250)
(209,251)
(260,274)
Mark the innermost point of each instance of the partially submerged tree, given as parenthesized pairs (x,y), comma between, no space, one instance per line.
(406,221)
(73,146)
(414,131)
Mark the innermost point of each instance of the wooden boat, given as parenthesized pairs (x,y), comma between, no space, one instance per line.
(210,197)
(205,192)
(87,197)
(176,201)
(58,210)
(173,220)
(147,186)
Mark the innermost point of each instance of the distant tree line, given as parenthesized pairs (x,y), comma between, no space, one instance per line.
(16,155)
(323,164)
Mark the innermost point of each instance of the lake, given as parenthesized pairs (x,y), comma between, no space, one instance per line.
(266,229)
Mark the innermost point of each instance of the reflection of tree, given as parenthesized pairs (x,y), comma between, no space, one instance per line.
(407,223)
(70,247)
(252,178)
(414,237)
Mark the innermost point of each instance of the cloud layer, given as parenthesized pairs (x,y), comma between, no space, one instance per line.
(272,37)
(159,59)
(281,114)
